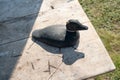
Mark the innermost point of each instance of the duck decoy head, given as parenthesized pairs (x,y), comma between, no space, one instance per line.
(75,25)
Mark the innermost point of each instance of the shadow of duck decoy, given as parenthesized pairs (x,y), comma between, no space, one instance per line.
(46,47)
(69,55)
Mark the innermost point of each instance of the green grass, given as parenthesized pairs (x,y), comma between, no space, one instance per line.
(105,16)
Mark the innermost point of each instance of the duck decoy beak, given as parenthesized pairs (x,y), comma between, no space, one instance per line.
(83,27)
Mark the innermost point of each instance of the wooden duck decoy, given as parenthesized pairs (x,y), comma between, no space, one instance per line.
(60,35)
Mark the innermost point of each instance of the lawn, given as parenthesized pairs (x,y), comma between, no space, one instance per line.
(105,16)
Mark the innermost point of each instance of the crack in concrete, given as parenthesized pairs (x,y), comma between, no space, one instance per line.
(32,66)
(30,46)
(57,68)
(14,41)
(19,18)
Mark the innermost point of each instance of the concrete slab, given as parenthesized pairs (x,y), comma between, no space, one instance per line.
(15,8)
(26,60)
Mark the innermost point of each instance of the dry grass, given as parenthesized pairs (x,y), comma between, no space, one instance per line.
(105,16)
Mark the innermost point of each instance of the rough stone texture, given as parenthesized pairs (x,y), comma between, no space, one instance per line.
(22,59)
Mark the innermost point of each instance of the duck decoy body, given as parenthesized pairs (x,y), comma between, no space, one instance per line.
(60,35)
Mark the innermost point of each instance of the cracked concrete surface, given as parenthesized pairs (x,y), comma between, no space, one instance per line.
(22,59)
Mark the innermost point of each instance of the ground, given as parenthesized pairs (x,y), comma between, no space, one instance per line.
(23,59)
(104,15)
